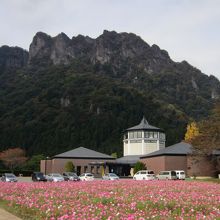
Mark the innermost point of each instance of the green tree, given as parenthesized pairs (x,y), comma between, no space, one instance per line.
(207,141)
(114,155)
(34,162)
(69,166)
(139,166)
(208,137)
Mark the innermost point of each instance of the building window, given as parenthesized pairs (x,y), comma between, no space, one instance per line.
(97,169)
(131,135)
(146,134)
(149,141)
(135,141)
(135,134)
(139,134)
(92,168)
(162,136)
(78,170)
(151,134)
(85,169)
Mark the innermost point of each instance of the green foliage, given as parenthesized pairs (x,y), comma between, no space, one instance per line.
(114,155)
(139,166)
(69,166)
(47,110)
(206,139)
(34,162)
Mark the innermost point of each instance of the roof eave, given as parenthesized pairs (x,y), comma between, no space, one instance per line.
(144,129)
(164,154)
(97,158)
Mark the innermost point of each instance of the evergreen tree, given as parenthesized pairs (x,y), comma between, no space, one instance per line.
(139,166)
(69,166)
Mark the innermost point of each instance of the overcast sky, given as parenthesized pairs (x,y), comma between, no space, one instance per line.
(188,29)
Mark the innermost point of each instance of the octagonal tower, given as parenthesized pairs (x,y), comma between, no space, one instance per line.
(143,139)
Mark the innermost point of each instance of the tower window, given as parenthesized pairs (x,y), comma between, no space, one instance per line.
(146,134)
(151,134)
(139,134)
(155,135)
(162,136)
(131,134)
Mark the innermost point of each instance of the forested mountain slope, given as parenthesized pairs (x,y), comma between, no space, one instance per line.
(65,93)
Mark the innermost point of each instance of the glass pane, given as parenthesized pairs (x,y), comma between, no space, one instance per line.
(146,134)
(139,134)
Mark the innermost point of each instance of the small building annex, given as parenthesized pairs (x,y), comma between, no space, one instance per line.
(84,160)
(180,156)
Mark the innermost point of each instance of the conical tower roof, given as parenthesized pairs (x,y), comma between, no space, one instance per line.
(144,125)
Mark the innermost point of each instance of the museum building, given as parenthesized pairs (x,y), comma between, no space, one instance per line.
(143,142)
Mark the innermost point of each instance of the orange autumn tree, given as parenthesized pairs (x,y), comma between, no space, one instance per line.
(13,157)
(208,137)
(205,137)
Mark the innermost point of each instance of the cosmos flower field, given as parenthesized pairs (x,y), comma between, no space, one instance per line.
(123,199)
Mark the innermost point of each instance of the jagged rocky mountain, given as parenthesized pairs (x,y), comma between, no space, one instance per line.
(110,47)
(70,92)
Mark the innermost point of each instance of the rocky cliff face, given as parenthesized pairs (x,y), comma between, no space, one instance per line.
(109,48)
(12,58)
(57,50)
(124,55)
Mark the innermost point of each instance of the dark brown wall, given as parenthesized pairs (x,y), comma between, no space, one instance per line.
(58,165)
(176,163)
(155,163)
(200,166)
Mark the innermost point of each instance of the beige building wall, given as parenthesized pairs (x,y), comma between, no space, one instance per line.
(125,149)
(140,148)
(46,166)
(135,149)
(161,145)
(150,147)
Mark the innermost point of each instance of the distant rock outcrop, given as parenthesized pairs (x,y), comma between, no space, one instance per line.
(110,47)
(12,58)
(124,55)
